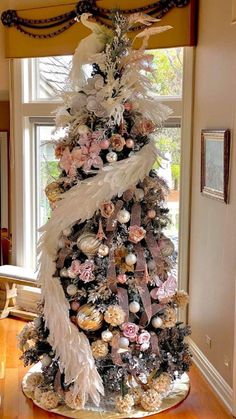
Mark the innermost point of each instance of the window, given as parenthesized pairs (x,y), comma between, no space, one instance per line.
(36,83)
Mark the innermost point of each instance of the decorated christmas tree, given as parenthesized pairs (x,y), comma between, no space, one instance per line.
(108,326)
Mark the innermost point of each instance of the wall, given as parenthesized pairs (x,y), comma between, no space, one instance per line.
(213,226)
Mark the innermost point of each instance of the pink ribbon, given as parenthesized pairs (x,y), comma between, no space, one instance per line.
(116,358)
(154,344)
(111,271)
(112,221)
(123,301)
(153,246)
(146,300)
(135,218)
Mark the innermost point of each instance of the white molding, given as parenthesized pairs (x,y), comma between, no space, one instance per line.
(185,178)
(213,377)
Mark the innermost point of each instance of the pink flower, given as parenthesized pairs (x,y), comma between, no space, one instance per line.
(144,346)
(91,156)
(136,234)
(71,161)
(145,127)
(74,269)
(154,293)
(59,150)
(128,106)
(83,270)
(122,278)
(107,209)
(130,330)
(117,142)
(144,337)
(86,271)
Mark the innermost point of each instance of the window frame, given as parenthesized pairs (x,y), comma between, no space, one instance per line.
(25,114)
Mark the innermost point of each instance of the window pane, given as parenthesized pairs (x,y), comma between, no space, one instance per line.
(169,144)
(168,64)
(51,74)
(47,170)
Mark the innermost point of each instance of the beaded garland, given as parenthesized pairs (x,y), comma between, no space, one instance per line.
(10,18)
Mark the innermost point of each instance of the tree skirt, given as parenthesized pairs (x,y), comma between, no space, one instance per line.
(106,410)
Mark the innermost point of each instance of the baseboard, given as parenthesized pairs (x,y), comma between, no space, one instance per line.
(215,380)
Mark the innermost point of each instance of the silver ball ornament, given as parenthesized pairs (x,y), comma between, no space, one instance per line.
(106,336)
(111,157)
(157,322)
(71,289)
(123,343)
(134,307)
(103,250)
(123,216)
(130,259)
(46,360)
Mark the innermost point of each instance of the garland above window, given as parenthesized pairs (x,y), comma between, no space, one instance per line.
(61,23)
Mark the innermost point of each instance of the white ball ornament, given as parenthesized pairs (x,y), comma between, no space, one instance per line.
(106,336)
(134,307)
(46,360)
(130,259)
(67,231)
(139,194)
(111,157)
(123,216)
(103,250)
(123,343)
(64,273)
(71,289)
(157,322)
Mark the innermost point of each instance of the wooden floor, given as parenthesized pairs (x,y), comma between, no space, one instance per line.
(200,404)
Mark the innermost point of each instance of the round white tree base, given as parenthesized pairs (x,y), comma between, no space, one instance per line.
(106,410)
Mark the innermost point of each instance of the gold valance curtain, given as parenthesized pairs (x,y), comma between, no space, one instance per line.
(20,45)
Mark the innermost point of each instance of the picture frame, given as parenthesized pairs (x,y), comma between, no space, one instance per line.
(215,161)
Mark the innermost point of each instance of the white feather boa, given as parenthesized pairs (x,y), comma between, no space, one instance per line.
(77,205)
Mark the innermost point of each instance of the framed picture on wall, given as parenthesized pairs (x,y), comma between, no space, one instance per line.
(215,159)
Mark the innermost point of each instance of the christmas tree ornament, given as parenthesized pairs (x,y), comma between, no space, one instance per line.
(53,192)
(103,250)
(157,322)
(75,305)
(134,307)
(111,157)
(71,289)
(122,278)
(64,273)
(107,336)
(129,143)
(123,343)
(123,216)
(89,318)
(130,259)
(88,243)
(151,213)
(99,349)
(167,247)
(46,360)
(139,194)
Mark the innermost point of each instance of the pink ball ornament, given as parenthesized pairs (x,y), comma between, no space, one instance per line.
(129,143)
(151,214)
(122,278)
(104,144)
(75,305)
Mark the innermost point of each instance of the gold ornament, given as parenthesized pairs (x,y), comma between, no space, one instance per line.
(53,191)
(167,247)
(89,318)
(88,243)
(103,250)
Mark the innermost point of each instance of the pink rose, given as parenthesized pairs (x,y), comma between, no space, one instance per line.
(146,127)
(107,209)
(136,234)
(130,330)
(144,337)
(117,142)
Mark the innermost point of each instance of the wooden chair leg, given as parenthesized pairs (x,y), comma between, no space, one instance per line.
(7,295)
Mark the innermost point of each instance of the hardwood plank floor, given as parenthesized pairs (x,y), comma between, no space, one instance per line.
(200,404)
